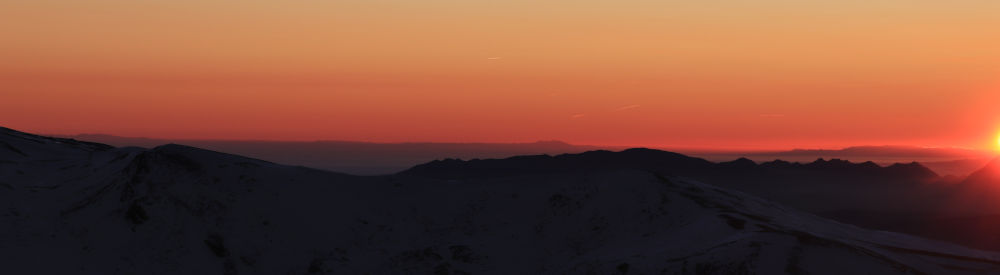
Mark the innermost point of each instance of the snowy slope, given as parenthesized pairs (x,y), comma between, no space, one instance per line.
(71,207)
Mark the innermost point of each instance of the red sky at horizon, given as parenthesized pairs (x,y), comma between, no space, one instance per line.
(769,74)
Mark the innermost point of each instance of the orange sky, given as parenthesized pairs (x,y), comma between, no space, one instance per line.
(724,74)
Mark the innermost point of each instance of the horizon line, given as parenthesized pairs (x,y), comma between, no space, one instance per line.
(689,148)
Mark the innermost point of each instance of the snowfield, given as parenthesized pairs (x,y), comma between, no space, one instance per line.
(71,207)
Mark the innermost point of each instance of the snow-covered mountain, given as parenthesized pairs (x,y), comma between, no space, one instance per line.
(72,207)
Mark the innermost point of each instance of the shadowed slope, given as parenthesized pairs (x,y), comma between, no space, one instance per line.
(177,209)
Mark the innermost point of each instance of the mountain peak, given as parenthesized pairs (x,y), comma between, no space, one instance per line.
(989,174)
(743,163)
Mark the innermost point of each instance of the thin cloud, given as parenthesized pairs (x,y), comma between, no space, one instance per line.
(494,58)
(578,116)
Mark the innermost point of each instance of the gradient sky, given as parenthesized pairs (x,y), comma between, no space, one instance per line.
(718,74)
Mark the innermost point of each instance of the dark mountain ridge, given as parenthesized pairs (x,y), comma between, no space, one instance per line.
(987,175)
(360,158)
(661,162)
(83,208)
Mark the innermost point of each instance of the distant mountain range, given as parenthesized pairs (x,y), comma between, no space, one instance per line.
(665,163)
(897,151)
(821,186)
(901,197)
(81,207)
(363,158)
(912,153)
(360,158)
(944,161)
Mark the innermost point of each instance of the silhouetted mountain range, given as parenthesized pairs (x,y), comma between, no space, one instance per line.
(77,207)
(360,158)
(899,197)
(988,175)
(944,161)
(898,151)
(662,162)
(366,158)
(979,193)
(825,187)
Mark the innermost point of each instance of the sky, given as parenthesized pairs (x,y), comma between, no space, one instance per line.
(763,74)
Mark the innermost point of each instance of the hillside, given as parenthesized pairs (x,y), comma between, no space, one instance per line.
(74,207)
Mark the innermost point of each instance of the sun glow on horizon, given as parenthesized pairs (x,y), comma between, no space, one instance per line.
(767,74)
